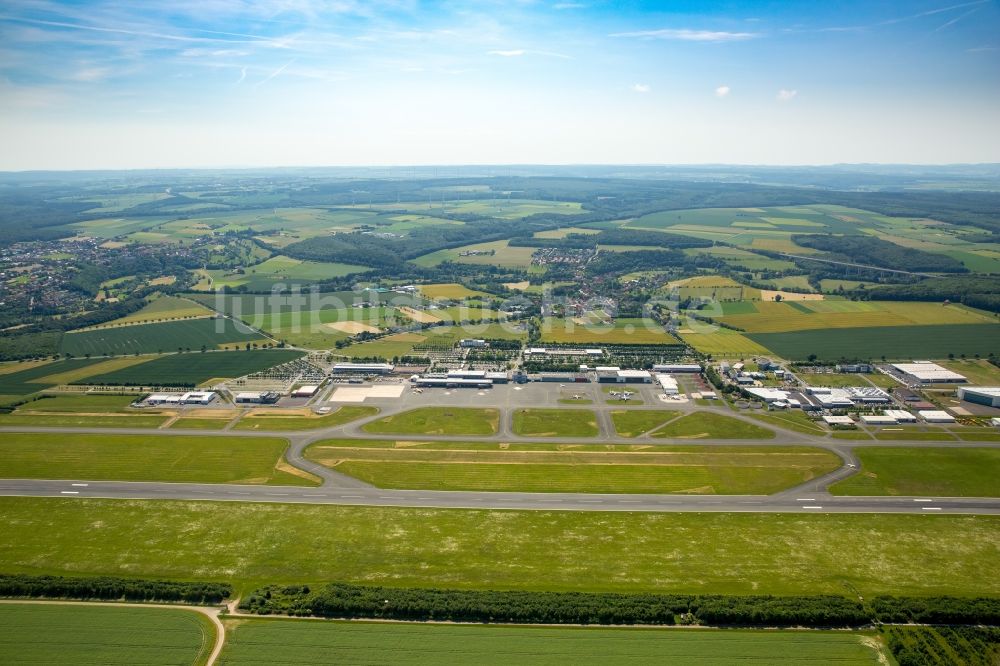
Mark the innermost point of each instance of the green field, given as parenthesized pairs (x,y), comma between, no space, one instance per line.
(555,423)
(451,290)
(101,634)
(172,458)
(627,331)
(724,553)
(891,342)
(196,423)
(277,641)
(162,309)
(942,472)
(720,342)
(792,420)
(68,402)
(709,425)
(20,379)
(498,253)
(790,316)
(71,420)
(195,368)
(438,421)
(635,422)
(189,334)
(283,421)
(277,269)
(581,469)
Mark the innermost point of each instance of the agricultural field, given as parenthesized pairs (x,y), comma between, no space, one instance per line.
(163,308)
(277,641)
(81,403)
(714,287)
(497,253)
(191,334)
(573,468)
(725,553)
(634,423)
(555,423)
(169,458)
(282,420)
(22,379)
(438,421)
(709,425)
(76,420)
(627,331)
(280,268)
(450,291)
(741,259)
(73,633)
(720,342)
(979,372)
(510,209)
(931,472)
(183,370)
(890,342)
(402,344)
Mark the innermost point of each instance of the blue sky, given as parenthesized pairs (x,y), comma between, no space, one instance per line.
(191,83)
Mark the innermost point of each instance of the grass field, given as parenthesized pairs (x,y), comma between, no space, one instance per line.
(194,368)
(498,253)
(94,634)
(438,421)
(282,421)
(573,468)
(162,309)
(783,317)
(76,420)
(708,425)
(190,334)
(173,458)
(276,641)
(555,423)
(89,404)
(932,472)
(20,379)
(628,331)
(452,291)
(726,553)
(892,342)
(979,372)
(632,423)
(278,269)
(792,420)
(196,423)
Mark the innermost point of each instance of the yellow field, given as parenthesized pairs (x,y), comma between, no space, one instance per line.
(774,317)
(625,331)
(722,343)
(162,309)
(451,291)
(562,232)
(6,368)
(93,370)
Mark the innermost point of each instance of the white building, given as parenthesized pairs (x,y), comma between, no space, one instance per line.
(363,368)
(163,399)
(768,394)
(838,420)
(878,419)
(256,398)
(306,391)
(936,416)
(980,395)
(901,415)
(668,384)
(198,397)
(677,367)
(471,342)
(925,372)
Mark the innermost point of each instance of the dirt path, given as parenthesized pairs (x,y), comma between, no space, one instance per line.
(212,613)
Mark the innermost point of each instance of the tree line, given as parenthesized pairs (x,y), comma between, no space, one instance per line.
(107,588)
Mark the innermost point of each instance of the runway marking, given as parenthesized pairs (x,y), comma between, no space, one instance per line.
(806,499)
(79,485)
(70,492)
(812,506)
(923,500)
(550,500)
(278,494)
(356,496)
(931,508)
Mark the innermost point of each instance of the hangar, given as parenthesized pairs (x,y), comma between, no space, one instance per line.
(980,395)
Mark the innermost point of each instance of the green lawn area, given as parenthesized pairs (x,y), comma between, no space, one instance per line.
(913,433)
(792,420)
(282,641)
(251,544)
(575,468)
(709,425)
(626,331)
(438,421)
(344,414)
(93,634)
(195,423)
(82,421)
(633,423)
(944,472)
(173,458)
(91,404)
(555,423)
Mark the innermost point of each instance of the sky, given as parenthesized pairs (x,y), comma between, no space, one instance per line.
(103,84)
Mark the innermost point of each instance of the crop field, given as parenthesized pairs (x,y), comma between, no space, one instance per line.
(940,472)
(715,287)
(276,641)
(511,209)
(191,334)
(628,331)
(771,317)
(555,423)
(188,369)
(76,420)
(20,379)
(502,255)
(401,344)
(282,421)
(725,553)
(581,469)
(709,425)
(162,309)
(279,269)
(99,634)
(88,404)
(634,423)
(720,342)
(171,458)
(891,342)
(451,291)
(438,421)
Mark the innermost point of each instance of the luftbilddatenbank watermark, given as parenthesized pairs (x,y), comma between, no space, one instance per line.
(367,313)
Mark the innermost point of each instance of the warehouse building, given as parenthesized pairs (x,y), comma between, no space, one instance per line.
(842,421)
(498,377)
(980,395)
(362,368)
(546,351)
(256,398)
(471,342)
(198,397)
(878,419)
(925,372)
(676,367)
(667,384)
(615,375)
(163,399)
(936,416)
(307,391)
(901,415)
(452,382)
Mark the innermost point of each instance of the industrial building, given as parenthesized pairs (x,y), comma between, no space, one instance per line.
(307,391)
(163,399)
(452,382)
(615,375)
(925,372)
(676,367)
(936,416)
(545,351)
(362,368)
(256,398)
(198,397)
(878,419)
(560,377)
(901,415)
(839,421)
(471,342)
(848,397)
(980,395)
(667,384)
(855,368)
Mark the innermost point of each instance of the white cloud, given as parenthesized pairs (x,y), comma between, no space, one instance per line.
(786,95)
(569,5)
(513,53)
(690,35)
(722,91)
(641,88)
